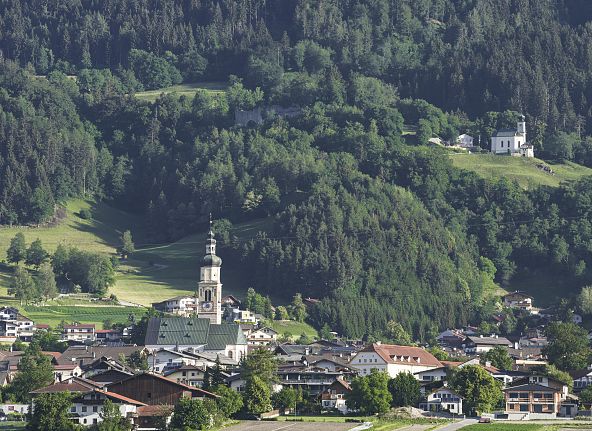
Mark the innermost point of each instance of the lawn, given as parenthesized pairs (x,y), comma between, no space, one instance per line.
(153,273)
(522,170)
(188,90)
(9,426)
(294,328)
(54,314)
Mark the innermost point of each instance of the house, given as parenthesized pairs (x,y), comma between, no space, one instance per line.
(443,400)
(532,398)
(81,332)
(481,344)
(539,396)
(189,375)
(66,371)
(106,370)
(464,141)
(582,378)
(231,301)
(432,375)
(393,359)
(105,336)
(196,335)
(86,356)
(12,408)
(309,378)
(518,299)
(262,337)
(512,141)
(14,325)
(89,399)
(334,397)
(153,389)
(237,315)
(183,305)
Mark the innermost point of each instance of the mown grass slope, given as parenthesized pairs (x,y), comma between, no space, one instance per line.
(188,90)
(522,170)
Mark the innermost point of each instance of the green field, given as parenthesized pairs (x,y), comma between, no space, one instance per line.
(188,90)
(54,314)
(153,273)
(294,328)
(519,169)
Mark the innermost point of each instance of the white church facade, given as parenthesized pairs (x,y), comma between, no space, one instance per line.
(512,141)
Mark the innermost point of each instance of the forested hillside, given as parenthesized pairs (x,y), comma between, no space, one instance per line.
(364,216)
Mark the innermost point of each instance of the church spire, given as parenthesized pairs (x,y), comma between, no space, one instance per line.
(210,259)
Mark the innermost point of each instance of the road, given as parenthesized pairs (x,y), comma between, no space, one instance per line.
(291,426)
(458,425)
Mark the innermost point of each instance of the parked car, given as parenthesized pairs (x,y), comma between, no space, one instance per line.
(483,420)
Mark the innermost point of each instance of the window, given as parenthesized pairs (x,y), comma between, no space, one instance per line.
(149,395)
(83,409)
(84,421)
(73,409)
(95,409)
(208,295)
(523,407)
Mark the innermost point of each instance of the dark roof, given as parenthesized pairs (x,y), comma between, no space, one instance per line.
(88,354)
(163,379)
(193,331)
(578,374)
(531,387)
(75,384)
(497,341)
(505,133)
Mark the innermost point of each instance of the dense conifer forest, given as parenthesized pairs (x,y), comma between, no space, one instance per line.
(380,227)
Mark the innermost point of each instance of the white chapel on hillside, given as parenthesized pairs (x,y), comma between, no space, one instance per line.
(512,142)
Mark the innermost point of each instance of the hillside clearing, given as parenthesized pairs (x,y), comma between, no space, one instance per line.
(153,273)
(296,329)
(187,90)
(522,170)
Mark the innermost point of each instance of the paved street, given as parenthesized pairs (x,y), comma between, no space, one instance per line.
(291,426)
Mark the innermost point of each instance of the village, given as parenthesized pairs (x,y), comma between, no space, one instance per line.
(192,340)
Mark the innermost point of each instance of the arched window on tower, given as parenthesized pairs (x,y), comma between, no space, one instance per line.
(208,295)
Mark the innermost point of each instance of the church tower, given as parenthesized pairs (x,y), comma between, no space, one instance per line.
(209,289)
(521,126)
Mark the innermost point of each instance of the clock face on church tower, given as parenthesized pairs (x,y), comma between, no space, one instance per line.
(207,306)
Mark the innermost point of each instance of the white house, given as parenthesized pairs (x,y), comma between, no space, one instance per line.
(262,337)
(518,299)
(184,305)
(512,142)
(79,332)
(443,399)
(393,359)
(464,141)
(431,375)
(86,409)
(481,344)
(334,397)
(14,325)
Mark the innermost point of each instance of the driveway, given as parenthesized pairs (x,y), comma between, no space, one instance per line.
(291,426)
(458,425)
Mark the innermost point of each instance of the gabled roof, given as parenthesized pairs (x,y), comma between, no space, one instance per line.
(394,354)
(81,325)
(518,293)
(505,133)
(163,379)
(118,397)
(578,374)
(74,384)
(490,341)
(89,354)
(192,331)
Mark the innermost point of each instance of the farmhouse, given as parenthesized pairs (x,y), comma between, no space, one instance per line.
(519,300)
(481,344)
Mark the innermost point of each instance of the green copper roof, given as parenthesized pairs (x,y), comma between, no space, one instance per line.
(192,331)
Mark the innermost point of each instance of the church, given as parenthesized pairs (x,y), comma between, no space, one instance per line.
(512,141)
(206,332)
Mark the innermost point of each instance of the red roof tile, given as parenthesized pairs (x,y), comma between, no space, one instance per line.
(391,354)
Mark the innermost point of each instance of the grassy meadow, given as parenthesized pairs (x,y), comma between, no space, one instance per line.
(294,328)
(152,274)
(187,90)
(520,169)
